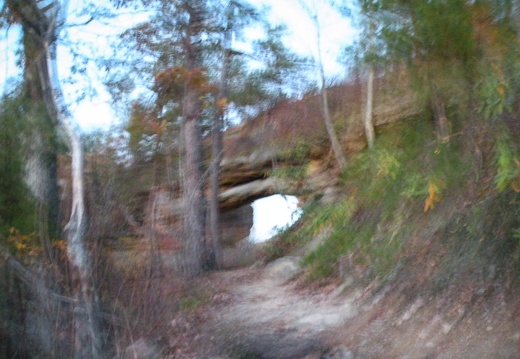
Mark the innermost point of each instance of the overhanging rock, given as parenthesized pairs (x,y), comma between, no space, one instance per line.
(246,193)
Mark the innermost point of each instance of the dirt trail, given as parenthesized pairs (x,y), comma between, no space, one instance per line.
(256,314)
(269,318)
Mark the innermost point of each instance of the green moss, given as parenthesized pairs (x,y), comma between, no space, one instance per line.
(189,303)
(507,162)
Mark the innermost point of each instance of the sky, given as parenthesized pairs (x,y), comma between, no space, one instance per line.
(96,112)
(266,225)
(337,31)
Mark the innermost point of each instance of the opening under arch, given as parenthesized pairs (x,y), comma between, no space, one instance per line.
(271,214)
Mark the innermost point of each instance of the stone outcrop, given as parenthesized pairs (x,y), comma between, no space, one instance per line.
(292,136)
(251,191)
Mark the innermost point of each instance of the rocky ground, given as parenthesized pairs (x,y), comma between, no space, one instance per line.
(266,312)
(270,319)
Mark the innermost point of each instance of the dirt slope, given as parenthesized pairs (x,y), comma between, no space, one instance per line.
(254,314)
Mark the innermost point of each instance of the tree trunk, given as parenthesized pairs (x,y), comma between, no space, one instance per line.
(369,121)
(197,250)
(193,194)
(217,147)
(329,125)
(439,110)
(215,259)
(369,124)
(41,161)
(43,25)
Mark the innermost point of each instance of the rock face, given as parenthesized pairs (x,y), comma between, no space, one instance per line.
(164,219)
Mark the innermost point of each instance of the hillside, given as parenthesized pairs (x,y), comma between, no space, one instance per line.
(415,256)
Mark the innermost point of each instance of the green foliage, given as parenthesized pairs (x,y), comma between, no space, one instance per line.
(16,207)
(345,236)
(293,173)
(299,152)
(297,158)
(464,52)
(444,30)
(318,220)
(492,89)
(423,30)
(244,353)
(189,303)
(401,165)
(507,163)
(405,174)
(158,42)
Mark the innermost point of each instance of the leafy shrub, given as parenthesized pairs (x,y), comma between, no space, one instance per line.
(16,206)
(189,303)
(507,164)
(193,298)
(294,173)
(493,90)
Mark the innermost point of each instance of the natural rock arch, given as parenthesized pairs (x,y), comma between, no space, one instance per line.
(290,136)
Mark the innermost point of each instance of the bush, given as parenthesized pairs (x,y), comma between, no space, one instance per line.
(507,163)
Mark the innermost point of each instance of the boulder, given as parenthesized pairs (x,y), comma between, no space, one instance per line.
(339,352)
(143,349)
(284,269)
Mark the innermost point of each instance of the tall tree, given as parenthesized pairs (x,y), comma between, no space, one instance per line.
(175,39)
(194,221)
(364,54)
(42,22)
(217,147)
(369,120)
(41,141)
(312,9)
(219,72)
(236,16)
